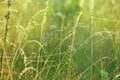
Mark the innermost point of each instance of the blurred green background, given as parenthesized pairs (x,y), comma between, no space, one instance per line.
(50,40)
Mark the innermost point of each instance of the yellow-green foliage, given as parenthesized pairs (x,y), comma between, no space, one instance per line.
(60,40)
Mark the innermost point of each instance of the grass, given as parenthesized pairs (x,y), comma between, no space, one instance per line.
(59,40)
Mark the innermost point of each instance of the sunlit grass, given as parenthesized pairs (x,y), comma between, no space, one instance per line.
(60,40)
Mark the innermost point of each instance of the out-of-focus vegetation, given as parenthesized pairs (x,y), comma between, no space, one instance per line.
(60,40)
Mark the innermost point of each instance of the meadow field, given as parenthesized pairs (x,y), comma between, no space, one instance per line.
(59,40)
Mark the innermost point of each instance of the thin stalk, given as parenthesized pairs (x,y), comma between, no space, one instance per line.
(42,31)
(7,16)
(73,36)
(91,7)
(61,31)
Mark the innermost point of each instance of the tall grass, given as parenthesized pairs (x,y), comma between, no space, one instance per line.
(59,40)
